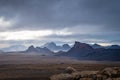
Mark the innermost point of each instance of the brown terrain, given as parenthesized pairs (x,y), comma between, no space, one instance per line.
(36,67)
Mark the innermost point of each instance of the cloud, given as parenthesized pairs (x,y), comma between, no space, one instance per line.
(31,35)
(57,14)
(5,23)
(67,20)
(23,35)
(60,39)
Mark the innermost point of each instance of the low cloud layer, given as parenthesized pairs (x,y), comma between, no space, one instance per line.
(89,21)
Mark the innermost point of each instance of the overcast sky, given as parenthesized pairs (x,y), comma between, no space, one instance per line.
(62,21)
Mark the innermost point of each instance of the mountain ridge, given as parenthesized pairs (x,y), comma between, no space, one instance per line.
(86,52)
(39,50)
(52,46)
(79,50)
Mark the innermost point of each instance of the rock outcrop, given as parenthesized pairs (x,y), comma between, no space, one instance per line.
(72,74)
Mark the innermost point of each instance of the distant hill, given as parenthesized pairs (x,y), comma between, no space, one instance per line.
(81,51)
(96,46)
(86,52)
(52,46)
(78,50)
(65,47)
(39,50)
(14,48)
(104,54)
(114,47)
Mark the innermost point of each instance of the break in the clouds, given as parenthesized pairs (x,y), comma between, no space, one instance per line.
(91,21)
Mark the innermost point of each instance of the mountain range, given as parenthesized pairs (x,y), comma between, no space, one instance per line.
(42,51)
(86,52)
(53,47)
(81,51)
(114,47)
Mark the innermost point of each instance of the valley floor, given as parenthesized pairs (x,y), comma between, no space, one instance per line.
(35,67)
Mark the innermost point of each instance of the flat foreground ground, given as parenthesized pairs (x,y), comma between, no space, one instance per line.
(35,67)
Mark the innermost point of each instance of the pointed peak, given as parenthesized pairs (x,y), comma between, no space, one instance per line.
(31,49)
(52,43)
(77,43)
(31,46)
(95,44)
(64,45)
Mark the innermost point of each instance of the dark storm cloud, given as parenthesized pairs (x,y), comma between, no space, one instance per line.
(90,21)
(94,38)
(58,14)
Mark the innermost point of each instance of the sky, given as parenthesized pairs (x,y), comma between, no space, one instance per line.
(35,22)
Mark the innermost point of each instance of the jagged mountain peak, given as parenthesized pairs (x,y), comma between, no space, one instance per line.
(79,49)
(52,46)
(96,44)
(81,45)
(31,49)
(31,46)
(66,45)
(43,51)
